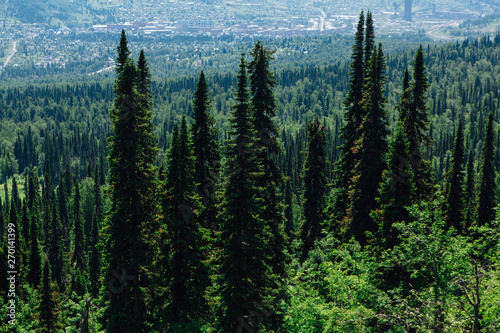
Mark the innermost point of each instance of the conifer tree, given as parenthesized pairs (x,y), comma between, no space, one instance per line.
(48,309)
(123,52)
(469,191)
(396,190)
(34,268)
(206,152)
(370,150)
(55,249)
(15,195)
(244,269)
(416,125)
(487,185)
(369,39)
(132,153)
(79,260)
(353,117)
(455,190)
(185,274)
(94,258)
(263,105)
(315,185)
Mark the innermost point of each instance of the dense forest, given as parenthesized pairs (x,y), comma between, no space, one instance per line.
(348,196)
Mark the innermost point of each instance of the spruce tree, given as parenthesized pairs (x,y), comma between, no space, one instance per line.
(206,152)
(469,192)
(263,105)
(315,185)
(396,190)
(487,185)
(79,260)
(369,39)
(353,117)
(55,251)
(48,309)
(244,270)
(185,274)
(132,153)
(34,268)
(123,52)
(94,258)
(416,124)
(455,190)
(370,150)
(15,195)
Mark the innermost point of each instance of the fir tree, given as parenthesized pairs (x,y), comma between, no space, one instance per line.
(94,258)
(34,268)
(396,190)
(15,195)
(487,185)
(469,191)
(123,52)
(244,270)
(206,152)
(455,190)
(79,260)
(369,39)
(416,124)
(370,152)
(263,105)
(48,310)
(353,117)
(315,186)
(185,274)
(132,153)
(55,248)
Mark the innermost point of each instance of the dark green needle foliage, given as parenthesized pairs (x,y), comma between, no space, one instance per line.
(185,276)
(416,124)
(245,275)
(487,185)
(396,190)
(48,310)
(353,117)
(369,39)
(79,262)
(206,152)
(370,150)
(132,179)
(455,190)
(34,266)
(263,106)
(315,185)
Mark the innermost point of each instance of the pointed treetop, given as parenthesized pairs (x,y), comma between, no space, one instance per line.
(123,52)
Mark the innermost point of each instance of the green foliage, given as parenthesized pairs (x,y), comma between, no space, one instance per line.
(315,187)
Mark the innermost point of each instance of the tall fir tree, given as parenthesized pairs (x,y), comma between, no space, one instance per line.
(263,104)
(455,190)
(94,258)
(185,274)
(315,186)
(396,190)
(353,117)
(206,153)
(370,150)
(244,270)
(48,309)
(369,39)
(487,185)
(132,154)
(34,268)
(415,125)
(470,188)
(79,274)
